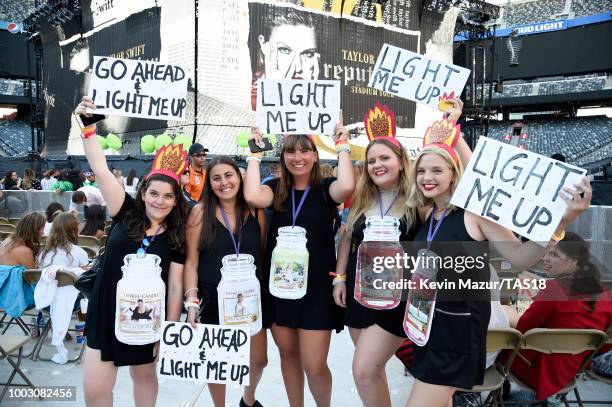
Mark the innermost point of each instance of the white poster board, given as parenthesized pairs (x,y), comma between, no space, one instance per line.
(516,188)
(208,354)
(416,77)
(145,89)
(294,106)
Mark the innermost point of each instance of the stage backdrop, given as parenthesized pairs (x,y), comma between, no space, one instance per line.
(239,42)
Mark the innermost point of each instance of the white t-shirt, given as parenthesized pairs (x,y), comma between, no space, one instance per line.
(131,188)
(94,197)
(78,257)
(47,229)
(47,184)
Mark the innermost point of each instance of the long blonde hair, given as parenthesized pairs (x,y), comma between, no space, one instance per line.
(366,193)
(416,197)
(64,234)
(291,143)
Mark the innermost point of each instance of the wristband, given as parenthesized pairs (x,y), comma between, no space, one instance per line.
(343,148)
(87,132)
(253,158)
(191,289)
(339,142)
(192,303)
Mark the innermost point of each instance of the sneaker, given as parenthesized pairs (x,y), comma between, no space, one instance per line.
(243,404)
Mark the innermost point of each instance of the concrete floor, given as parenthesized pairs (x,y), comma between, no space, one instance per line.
(270,392)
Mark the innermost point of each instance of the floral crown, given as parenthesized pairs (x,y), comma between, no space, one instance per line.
(170,161)
(380,124)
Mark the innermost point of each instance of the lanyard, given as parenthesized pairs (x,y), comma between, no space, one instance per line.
(145,243)
(380,205)
(229,229)
(430,234)
(296,212)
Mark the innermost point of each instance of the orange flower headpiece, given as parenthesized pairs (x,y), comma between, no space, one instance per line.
(380,124)
(446,101)
(443,134)
(170,161)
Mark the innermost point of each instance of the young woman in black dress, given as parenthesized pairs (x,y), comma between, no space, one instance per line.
(157,213)
(384,186)
(449,360)
(208,241)
(302,328)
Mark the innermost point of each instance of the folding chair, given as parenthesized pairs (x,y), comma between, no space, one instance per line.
(89,241)
(566,341)
(7,227)
(596,376)
(4,235)
(8,345)
(91,253)
(4,220)
(63,279)
(13,221)
(103,240)
(19,321)
(498,339)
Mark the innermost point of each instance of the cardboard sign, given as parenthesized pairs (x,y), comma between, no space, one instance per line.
(415,77)
(291,106)
(516,188)
(210,353)
(128,87)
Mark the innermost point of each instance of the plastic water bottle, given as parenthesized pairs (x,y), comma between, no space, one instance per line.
(34,331)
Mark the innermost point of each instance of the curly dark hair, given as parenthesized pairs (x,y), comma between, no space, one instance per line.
(136,222)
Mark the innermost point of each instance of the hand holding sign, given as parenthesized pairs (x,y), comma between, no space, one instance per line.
(577,199)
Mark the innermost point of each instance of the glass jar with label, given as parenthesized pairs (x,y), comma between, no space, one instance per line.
(239,293)
(141,300)
(378,277)
(289,265)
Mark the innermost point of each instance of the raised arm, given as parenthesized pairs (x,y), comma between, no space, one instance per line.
(190,272)
(525,255)
(462,148)
(256,195)
(110,188)
(343,187)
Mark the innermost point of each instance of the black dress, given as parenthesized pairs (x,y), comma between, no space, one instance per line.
(358,316)
(455,353)
(317,309)
(209,266)
(100,323)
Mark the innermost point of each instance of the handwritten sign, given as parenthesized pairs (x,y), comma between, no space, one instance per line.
(128,87)
(516,188)
(210,353)
(415,77)
(292,106)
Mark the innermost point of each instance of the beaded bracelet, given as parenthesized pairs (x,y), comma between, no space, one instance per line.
(343,148)
(191,289)
(253,158)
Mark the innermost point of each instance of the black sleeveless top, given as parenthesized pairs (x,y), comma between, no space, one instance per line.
(209,267)
(449,359)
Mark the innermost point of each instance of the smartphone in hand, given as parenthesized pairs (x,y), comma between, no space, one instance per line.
(258,148)
(85,121)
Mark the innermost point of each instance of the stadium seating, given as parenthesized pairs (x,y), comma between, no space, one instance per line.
(582,8)
(531,12)
(557,85)
(12,87)
(15,10)
(15,137)
(582,140)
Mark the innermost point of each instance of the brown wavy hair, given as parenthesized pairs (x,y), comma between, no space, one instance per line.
(64,234)
(27,232)
(285,183)
(136,221)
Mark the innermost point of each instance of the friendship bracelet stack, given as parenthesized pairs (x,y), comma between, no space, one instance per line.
(338,278)
(87,132)
(343,146)
(192,303)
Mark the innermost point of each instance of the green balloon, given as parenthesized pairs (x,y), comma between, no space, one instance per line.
(182,139)
(147,143)
(114,142)
(102,141)
(272,138)
(162,140)
(242,139)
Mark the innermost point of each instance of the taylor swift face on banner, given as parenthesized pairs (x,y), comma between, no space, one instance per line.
(289,48)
